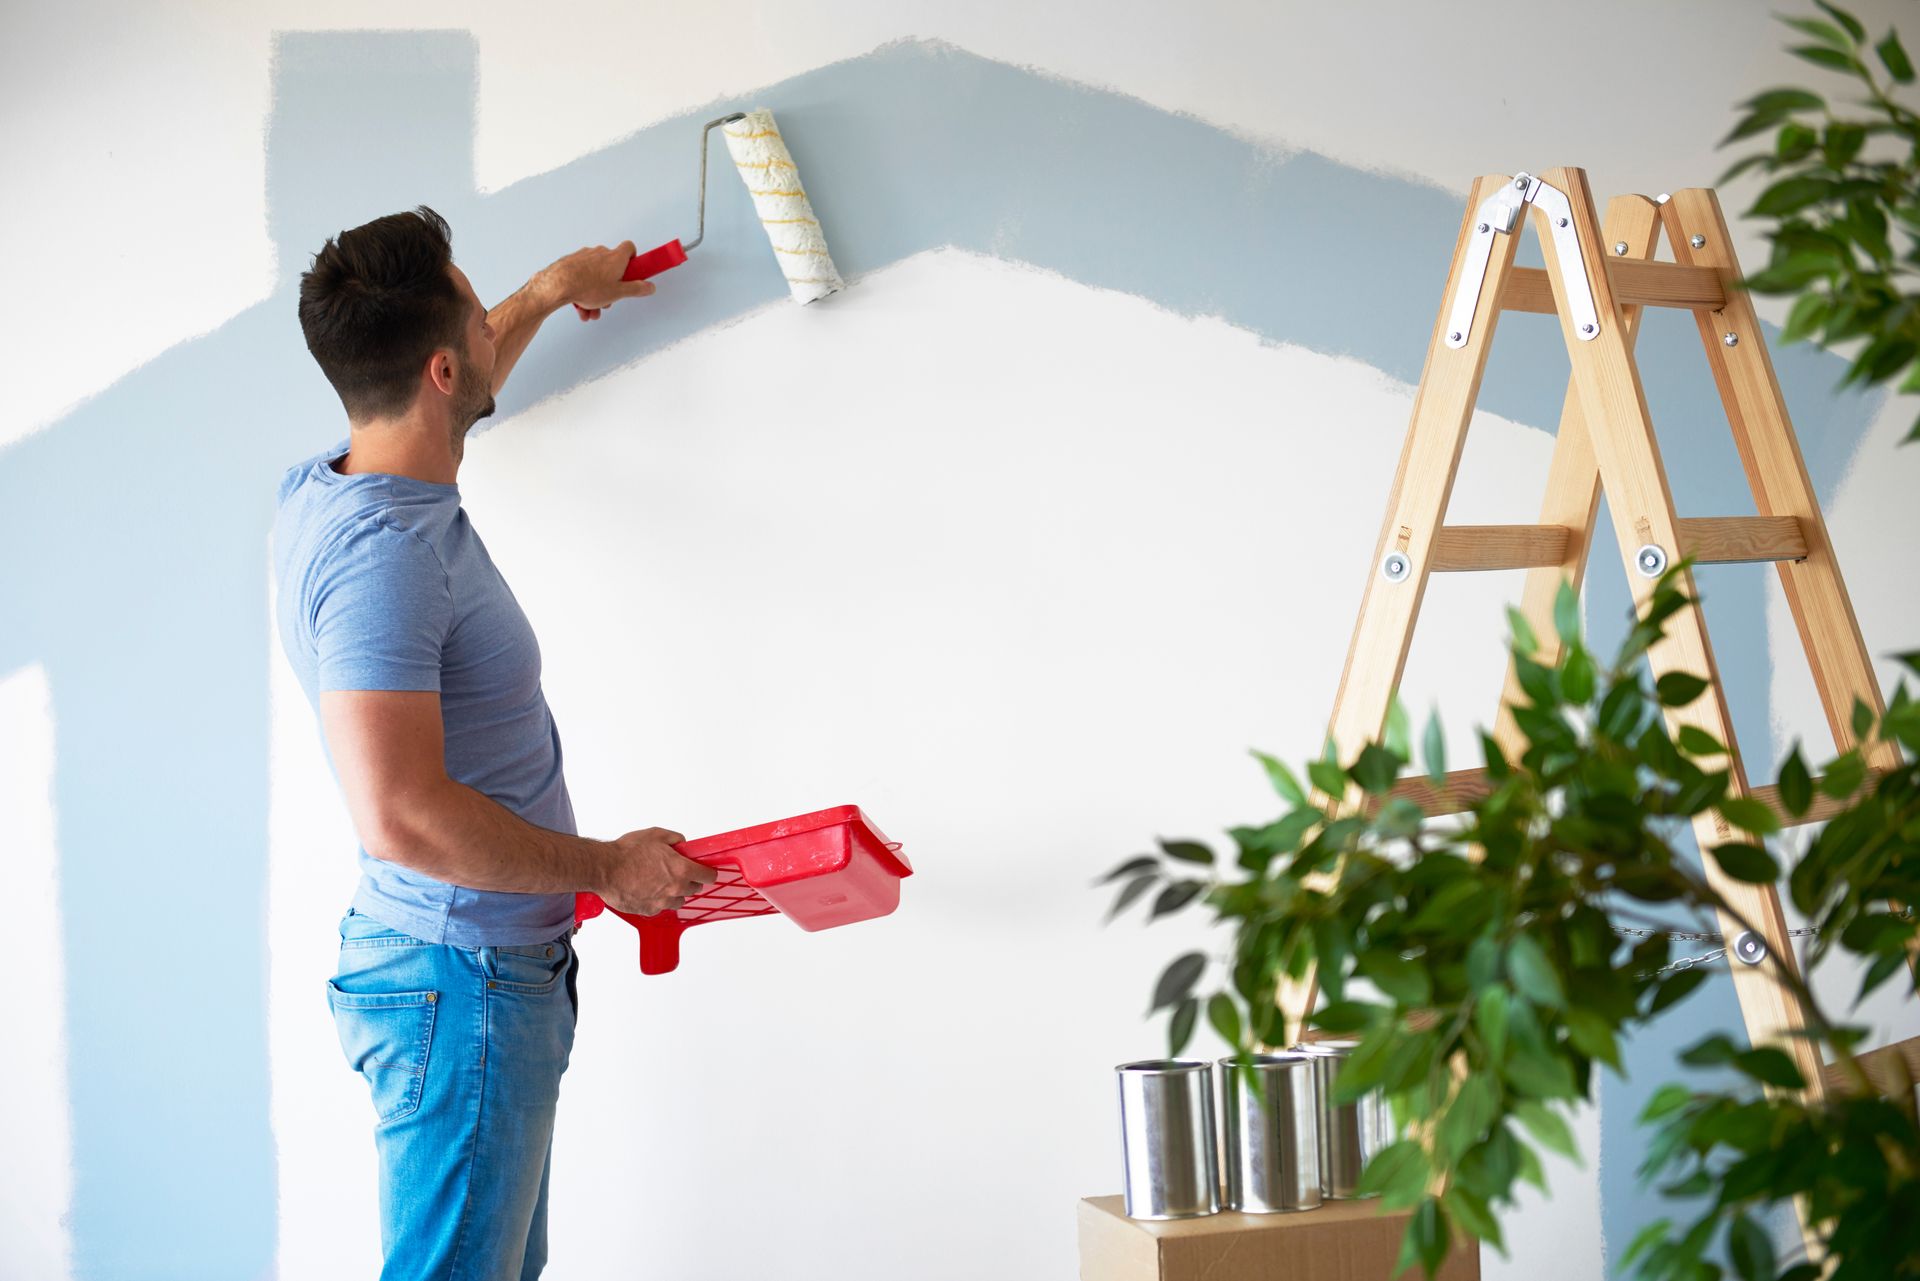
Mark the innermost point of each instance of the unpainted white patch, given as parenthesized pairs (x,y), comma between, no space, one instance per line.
(36,1120)
(322,1121)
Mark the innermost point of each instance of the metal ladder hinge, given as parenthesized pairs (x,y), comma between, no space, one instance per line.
(1500,214)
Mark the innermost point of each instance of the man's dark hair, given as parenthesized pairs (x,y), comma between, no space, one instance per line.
(377,302)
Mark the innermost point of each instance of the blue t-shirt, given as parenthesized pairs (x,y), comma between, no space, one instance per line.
(383,584)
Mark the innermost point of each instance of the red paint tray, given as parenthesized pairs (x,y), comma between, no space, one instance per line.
(831,867)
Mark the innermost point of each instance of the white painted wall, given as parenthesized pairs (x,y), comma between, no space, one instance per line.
(1075,552)
(36,1179)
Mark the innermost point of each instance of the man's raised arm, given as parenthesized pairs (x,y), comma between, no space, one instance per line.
(588,280)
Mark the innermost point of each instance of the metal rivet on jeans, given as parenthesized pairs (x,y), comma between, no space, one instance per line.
(549,951)
(491,983)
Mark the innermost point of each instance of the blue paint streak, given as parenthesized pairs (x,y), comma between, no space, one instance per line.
(144,512)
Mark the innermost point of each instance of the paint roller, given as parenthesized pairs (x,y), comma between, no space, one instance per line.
(761,157)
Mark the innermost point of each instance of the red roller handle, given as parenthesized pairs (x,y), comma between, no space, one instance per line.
(645,267)
(651,263)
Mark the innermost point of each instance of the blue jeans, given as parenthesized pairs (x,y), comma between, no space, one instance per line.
(462,1050)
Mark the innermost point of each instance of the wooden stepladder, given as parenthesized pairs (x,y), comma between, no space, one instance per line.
(1596,280)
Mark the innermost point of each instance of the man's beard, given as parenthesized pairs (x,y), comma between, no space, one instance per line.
(474,402)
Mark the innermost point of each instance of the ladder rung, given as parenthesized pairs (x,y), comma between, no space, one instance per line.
(1649,284)
(1879,1065)
(1460,789)
(1730,540)
(1823,808)
(1464,547)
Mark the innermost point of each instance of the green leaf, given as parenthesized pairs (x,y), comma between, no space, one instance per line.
(1748,863)
(1825,32)
(1894,58)
(1884,967)
(1862,719)
(1592,1034)
(1471,1213)
(1137,864)
(1844,776)
(1426,1238)
(1475,1107)
(1283,779)
(1524,639)
(1175,897)
(1749,815)
(1526,1164)
(1666,1100)
(1344,1016)
(1841,16)
(1566,612)
(1434,749)
(1677,689)
(1548,1127)
(1187,851)
(1577,676)
(1808,314)
(1796,784)
(1781,101)
(1133,890)
(1539,1074)
(1328,777)
(1180,1027)
(1697,742)
(1483,962)
(1396,1167)
(1225,1017)
(1770,1065)
(1376,769)
(1177,980)
(1621,711)
(1399,736)
(1490,1019)
(1403,980)
(1714,1050)
(1533,974)
(1750,1249)
(1643,1241)
(1675,988)
(1832,59)
(1790,195)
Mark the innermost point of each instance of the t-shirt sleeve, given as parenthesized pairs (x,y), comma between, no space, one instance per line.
(381,612)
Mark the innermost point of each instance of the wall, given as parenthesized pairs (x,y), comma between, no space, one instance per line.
(1019,543)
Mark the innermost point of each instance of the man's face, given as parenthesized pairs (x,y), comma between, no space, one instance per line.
(473,390)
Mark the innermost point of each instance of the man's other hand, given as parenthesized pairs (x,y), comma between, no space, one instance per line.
(649,876)
(590,279)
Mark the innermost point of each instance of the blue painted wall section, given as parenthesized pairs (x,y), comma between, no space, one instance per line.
(137,523)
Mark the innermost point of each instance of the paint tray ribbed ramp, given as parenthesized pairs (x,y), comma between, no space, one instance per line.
(831,867)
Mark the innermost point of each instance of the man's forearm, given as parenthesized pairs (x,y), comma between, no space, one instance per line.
(515,321)
(454,834)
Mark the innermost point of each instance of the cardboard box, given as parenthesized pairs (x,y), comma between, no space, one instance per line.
(1340,1241)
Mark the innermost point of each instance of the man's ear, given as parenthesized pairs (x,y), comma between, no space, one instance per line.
(440,371)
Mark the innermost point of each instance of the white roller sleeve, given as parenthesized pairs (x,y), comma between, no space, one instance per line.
(763,162)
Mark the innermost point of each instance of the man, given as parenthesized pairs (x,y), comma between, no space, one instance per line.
(455,996)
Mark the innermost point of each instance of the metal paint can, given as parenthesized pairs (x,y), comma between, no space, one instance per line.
(1350,1133)
(1270,1104)
(1169,1161)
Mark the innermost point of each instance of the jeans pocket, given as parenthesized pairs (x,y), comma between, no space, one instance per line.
(386,1037)
(534,968)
